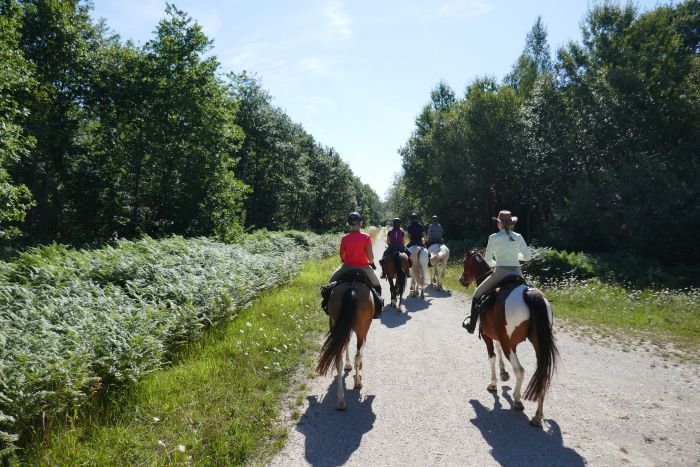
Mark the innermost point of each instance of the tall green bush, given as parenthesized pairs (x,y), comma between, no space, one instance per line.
(74,321)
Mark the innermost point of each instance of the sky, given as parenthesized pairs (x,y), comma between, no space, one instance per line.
(356,73)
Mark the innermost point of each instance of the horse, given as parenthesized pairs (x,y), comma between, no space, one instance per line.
(350,308)
(439,254)
(419,271)
(525,314)
(395,268)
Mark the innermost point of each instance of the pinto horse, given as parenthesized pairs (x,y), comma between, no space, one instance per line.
(395,269)
(523,314)
(439,254)
(350,308)
(419,270)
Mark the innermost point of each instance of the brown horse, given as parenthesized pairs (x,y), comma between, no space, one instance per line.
(523,314)
(395,269)
(350,308)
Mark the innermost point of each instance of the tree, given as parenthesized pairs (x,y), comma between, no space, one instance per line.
(16,78)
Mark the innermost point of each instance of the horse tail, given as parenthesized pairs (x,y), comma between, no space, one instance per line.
(546,349)
(400,275)
(339,335)
(424,276)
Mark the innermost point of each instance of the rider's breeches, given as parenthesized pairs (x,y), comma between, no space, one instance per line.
(366,269)
(394,247)
(493,280)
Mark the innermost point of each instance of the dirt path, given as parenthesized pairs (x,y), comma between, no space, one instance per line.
(424,402)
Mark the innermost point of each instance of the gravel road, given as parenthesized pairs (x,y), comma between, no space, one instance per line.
(424,402)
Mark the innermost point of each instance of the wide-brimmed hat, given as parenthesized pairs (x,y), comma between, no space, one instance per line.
(506,218)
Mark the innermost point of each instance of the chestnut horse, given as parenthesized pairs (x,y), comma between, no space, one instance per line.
(350,308)
(523,314)
(395,269)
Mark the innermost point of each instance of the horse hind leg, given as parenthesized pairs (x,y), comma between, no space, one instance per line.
(348,364)
(340,403)
(519,376)
(539,415)
(502,366)
(358,363)
(492,362)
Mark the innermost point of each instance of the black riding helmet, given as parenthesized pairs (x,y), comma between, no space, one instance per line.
(413,217)
(396,222)
(435,218)
(354,217)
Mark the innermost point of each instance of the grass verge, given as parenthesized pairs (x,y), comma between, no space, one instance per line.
(660,316)
(219,404)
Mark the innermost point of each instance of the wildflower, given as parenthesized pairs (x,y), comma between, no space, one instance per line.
(156,419)
(181,447)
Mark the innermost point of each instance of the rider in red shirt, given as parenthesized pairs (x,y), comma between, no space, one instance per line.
(356,254)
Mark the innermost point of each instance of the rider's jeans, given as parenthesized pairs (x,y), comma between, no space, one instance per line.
(498,275)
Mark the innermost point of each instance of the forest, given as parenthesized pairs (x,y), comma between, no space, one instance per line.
(594,149)
(103,139)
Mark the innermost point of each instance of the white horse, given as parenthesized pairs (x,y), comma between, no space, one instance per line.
(419,270)
(439,254)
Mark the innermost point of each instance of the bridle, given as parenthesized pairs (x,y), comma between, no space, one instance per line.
(469,263)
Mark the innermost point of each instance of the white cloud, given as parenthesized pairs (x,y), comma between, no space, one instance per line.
(261,57)
(338,22)
(454,9)
(314,65)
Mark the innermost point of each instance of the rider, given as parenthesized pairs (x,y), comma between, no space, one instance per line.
(415,232)
(508,248)
(356,254)
(434,233)
(394,240)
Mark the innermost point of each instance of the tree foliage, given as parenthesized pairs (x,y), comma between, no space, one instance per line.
(595,150)
(104,139)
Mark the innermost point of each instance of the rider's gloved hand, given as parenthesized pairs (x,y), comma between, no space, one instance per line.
(372,265)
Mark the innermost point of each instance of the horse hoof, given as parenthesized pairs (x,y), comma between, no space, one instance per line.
(505,376)
(340,405)
(518,406)
(422,294)
(536,421)
(491,388)
(348,366)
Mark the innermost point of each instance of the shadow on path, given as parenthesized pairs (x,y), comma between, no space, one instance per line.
(413,304)
(514,442)
(393,318)
(433,292)
(332,436)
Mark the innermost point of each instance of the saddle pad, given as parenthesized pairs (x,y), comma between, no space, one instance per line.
(501,292)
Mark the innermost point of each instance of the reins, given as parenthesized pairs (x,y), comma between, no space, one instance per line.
(469,263)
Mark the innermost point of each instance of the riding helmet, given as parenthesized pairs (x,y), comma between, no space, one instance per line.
(354,217)
(413,216)
(396,222)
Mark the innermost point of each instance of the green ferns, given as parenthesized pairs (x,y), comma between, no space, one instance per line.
(74,321)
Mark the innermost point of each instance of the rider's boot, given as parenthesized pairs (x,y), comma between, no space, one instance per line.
(378,301)
(383,275)
(326,294)
(471,325)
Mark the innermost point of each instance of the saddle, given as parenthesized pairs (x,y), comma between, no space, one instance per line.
(352,276)
(487,300)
